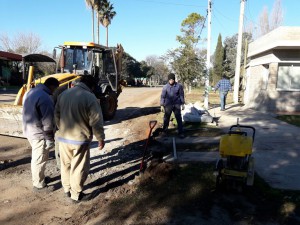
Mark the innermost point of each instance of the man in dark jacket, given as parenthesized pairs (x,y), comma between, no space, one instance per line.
(172,100)
(38,128)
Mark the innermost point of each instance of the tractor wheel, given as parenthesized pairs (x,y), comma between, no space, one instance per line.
(109,106)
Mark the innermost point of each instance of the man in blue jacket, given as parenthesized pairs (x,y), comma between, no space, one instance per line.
(172,100)
(224,87)
(38,128)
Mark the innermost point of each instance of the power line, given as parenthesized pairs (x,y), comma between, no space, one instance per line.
(224,15)
(169,3)
(250,15)
(214,15)
(203,23)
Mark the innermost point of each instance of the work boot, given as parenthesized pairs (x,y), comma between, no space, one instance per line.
(181,135)
(45,189)
(47,180)
(82,198)
(67,194)
(164,133)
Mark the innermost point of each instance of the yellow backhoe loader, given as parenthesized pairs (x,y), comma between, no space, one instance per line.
(76,59)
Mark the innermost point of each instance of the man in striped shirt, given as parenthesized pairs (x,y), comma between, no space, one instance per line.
(224,86)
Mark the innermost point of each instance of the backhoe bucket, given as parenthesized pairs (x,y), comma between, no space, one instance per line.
(11,120)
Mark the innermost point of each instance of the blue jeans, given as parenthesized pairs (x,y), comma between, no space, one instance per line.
(223,95)
(177,112)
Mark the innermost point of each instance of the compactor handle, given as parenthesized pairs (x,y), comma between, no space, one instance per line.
(238,132)
(242,126)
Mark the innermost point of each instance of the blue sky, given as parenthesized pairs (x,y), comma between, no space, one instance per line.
(143,27)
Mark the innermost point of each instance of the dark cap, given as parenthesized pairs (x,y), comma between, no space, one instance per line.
(88,80)
(171,76)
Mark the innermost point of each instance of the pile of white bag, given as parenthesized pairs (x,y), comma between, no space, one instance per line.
(196,113)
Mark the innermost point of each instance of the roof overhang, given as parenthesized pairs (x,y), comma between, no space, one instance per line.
(10,56)
(280,38)
(37,58)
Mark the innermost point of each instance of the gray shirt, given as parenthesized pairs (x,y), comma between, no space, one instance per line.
(38,113)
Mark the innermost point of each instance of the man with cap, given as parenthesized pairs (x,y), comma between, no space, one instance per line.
(38,128)
(172,100)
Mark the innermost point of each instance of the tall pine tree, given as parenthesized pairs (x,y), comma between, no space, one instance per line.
(218,61)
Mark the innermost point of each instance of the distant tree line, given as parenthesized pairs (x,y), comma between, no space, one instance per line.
(187,61)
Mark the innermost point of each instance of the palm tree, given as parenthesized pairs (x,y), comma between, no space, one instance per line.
(92,4)
(106,14)
(100,4)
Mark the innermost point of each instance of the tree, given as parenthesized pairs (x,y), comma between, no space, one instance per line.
(268,23)
(25,43)
(22,43)
(92,4)
(160,69)
(218,61)
(185,61)
(276,15)
(106,14)
(147,71)
(230,45)
(99,9)
(131,69)
(190,27)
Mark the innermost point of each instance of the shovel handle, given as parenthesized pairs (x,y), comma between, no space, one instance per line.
(152,124)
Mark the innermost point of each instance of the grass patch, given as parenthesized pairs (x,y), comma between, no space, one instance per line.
(185,190)
(291,119)
(179,189)
(196,129)
(197,94)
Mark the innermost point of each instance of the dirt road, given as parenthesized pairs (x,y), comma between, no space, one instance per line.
(119,195)
(111,168)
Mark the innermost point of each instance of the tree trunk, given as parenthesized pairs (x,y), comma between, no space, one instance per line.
(107,36)
(93,32)
(98,31)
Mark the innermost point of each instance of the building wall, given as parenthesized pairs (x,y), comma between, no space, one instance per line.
(264,96)
(281,45)
(256,95)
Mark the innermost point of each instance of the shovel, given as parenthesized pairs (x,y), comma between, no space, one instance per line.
(152,124)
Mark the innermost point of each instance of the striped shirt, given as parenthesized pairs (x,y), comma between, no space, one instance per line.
(223,85)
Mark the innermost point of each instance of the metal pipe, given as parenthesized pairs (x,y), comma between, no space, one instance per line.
(174,149)
(30,77)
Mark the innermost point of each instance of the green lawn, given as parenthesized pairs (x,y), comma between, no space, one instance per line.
(197,94)
(291,119)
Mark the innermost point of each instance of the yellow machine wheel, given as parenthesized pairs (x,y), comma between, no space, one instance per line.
(250,175)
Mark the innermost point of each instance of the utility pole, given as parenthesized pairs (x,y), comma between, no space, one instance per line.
(238,55)
(208,54)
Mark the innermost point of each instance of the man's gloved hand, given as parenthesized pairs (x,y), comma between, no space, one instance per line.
(182,107)
(162,108)
(101,144)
